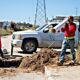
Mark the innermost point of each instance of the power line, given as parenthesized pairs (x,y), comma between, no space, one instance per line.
(40,15)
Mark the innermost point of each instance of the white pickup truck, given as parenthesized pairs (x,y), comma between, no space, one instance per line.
(30,40)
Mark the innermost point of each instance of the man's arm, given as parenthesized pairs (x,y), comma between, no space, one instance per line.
(65,27)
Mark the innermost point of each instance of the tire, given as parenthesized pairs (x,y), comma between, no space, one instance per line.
(29,45)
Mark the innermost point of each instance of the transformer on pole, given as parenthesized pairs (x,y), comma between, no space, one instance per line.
(40,15)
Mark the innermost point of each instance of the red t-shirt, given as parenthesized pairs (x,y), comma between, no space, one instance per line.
(69,29)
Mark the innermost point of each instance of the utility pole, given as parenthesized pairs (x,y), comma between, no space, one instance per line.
(40,15)
(76,11)
(29,19)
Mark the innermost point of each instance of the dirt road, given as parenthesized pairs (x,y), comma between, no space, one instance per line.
(24,76)
(63,73)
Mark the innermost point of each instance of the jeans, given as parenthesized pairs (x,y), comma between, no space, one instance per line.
(64,47)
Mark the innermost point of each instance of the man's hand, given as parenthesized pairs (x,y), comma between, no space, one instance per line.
(66,24)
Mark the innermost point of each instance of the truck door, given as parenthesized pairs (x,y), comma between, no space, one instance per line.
(58,38)
(51,39)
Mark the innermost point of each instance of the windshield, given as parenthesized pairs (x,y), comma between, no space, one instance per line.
(46,26)
(41,27)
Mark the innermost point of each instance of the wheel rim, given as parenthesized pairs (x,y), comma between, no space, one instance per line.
(29,46)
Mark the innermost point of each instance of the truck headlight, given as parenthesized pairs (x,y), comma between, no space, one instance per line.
(19,37)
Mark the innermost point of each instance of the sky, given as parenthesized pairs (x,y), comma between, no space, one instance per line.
(24,10)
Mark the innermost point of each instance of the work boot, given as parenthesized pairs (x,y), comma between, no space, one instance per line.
(73,62)
(59,63)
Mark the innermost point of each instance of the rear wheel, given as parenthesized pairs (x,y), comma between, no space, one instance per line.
(29,45)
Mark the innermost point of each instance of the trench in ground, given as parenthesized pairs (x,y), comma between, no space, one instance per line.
(10,61)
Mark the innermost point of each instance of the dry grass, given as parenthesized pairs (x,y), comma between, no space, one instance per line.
(4,32)
(78,53)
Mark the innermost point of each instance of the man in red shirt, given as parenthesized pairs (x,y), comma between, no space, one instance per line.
(69,39)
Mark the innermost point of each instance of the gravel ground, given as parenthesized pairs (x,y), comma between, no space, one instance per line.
(24,76)
(63,73)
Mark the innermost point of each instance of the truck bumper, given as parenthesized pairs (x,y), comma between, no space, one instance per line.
(16,43)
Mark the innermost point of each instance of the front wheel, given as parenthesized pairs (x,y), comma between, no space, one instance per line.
(29,46)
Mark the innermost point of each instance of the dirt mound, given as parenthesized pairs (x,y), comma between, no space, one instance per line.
(37,61)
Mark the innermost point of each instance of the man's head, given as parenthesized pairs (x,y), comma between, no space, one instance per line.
(70,19)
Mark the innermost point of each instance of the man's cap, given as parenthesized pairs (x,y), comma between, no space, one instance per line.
(71,17)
